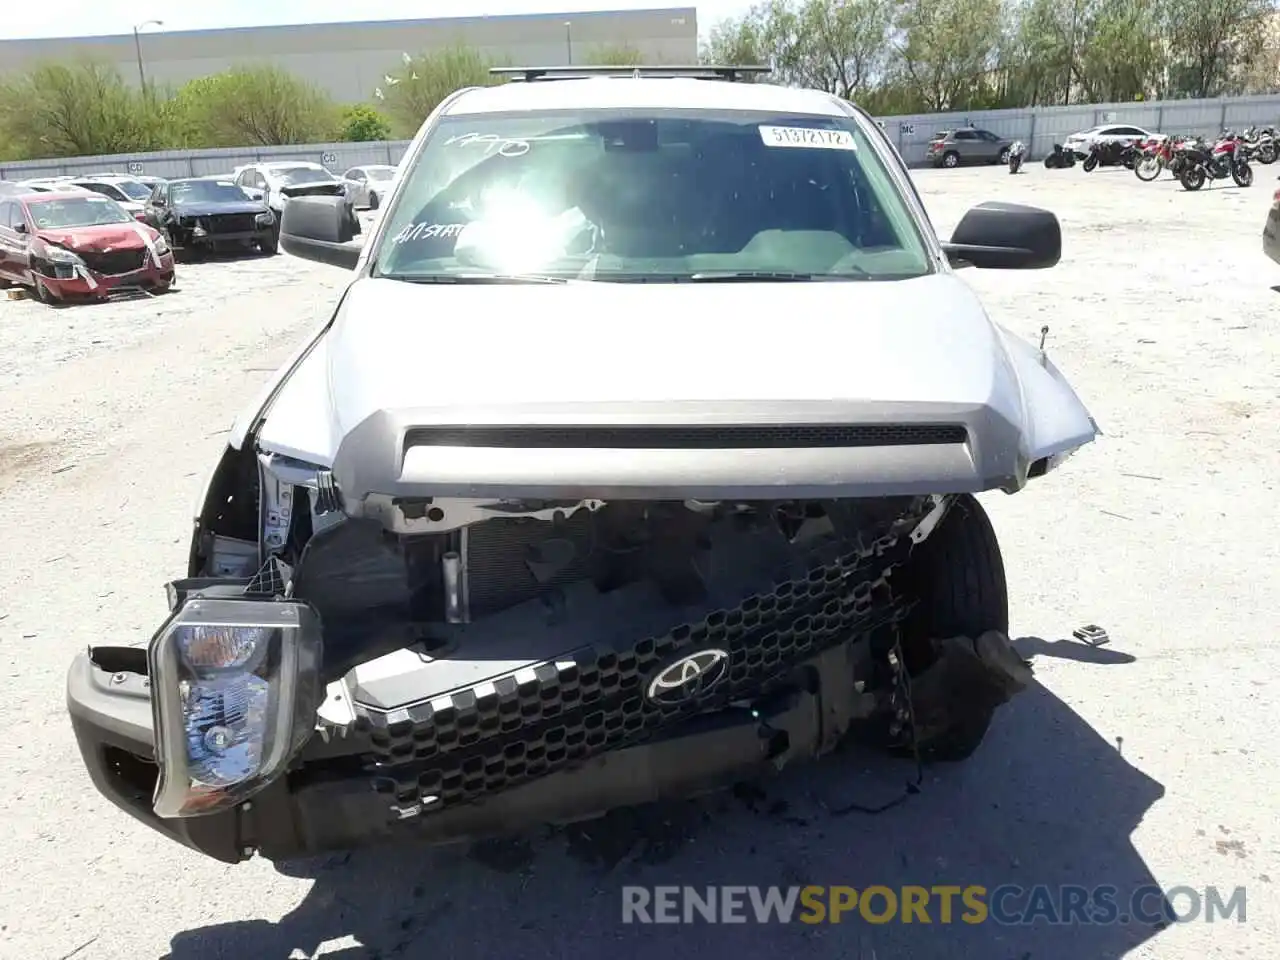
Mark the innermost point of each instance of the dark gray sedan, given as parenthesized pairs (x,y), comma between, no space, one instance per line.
(951,148)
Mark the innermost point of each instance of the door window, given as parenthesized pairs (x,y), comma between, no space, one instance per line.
(14,217)
(988,136)
(965,135)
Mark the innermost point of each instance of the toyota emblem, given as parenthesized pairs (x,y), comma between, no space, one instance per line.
(689,677)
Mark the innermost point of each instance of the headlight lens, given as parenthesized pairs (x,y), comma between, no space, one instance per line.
(59,255)
(235,688)
(266,219)
(161,247)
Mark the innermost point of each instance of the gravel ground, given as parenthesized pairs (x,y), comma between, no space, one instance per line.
(1144,762)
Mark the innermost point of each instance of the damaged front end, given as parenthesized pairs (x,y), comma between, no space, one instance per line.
(450,668)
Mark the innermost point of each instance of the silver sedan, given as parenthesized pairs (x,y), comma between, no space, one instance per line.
(367,185)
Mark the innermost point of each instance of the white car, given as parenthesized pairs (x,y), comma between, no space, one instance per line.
(129,192)
(637,457)
(367,185)
(1105,133)
(276,181)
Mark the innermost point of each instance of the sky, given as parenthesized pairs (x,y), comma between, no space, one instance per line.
(72,18)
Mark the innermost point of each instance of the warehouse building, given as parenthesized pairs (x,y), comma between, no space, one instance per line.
(349,60)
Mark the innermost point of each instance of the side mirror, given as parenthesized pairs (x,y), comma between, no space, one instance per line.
(252,192)
(1006,236)
(320,228)
(19,228)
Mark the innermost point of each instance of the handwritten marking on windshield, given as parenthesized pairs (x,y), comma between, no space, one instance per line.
(427,231)
(505,146)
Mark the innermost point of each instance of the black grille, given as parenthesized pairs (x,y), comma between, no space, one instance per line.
(694,436)
(229,223)
(460,746)
(117,261)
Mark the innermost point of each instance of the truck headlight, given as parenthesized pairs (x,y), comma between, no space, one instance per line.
(265,219)
(235,687)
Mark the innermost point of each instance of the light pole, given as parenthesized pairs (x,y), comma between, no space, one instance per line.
(568,40)
(137,47)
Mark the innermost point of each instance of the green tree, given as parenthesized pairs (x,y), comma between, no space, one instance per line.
(737,41)
(1211,41)
(253,105)
(65,110)
(361,122)
(614,55)
(950,49)
(840,46)
(419,85)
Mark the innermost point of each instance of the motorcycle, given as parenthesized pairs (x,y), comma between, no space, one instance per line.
(1017,153)
(1157,155)
(1111,153)
(1225,158)
(1263,144)
(1059,159)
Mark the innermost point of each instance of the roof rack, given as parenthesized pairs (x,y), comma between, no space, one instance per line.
(699,72)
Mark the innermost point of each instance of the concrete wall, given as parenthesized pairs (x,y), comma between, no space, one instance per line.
(1039,128)
(350,59)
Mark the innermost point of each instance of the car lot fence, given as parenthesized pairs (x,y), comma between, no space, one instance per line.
(1039,127)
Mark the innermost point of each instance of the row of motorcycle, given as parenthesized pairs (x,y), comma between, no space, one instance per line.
(1193,161)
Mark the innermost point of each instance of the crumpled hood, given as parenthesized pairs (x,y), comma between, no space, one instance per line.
(586,352)
(117,236)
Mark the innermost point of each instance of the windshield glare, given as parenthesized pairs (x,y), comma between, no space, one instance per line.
(207,191)
(632,196)
(78,212)
(291,175)
(134,189)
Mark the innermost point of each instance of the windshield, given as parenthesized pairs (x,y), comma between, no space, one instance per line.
(77,212)
(134,189)
(207,191)
(664,195)
(292,175)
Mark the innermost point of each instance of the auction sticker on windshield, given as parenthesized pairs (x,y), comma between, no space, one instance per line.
(812,137)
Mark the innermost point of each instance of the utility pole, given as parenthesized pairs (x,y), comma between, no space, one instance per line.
(137,48)
(568,41)
(1071,54)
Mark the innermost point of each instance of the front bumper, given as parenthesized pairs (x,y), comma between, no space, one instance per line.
(328,802)
(67,282)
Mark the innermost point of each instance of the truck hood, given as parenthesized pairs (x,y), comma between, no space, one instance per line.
(400,355)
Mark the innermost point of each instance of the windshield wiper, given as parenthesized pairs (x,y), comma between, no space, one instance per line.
(473,278)
(743,276)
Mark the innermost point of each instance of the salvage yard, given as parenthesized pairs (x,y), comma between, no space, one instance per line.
(1148,761)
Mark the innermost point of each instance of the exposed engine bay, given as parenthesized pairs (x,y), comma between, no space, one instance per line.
(434,571)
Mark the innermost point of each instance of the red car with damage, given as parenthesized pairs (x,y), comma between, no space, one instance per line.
(79,246)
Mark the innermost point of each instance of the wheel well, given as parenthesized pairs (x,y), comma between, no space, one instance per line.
(230,507)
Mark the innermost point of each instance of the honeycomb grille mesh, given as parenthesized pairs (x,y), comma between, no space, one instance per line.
(459,747)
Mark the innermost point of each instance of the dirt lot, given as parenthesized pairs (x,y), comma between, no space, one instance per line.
(1150,761)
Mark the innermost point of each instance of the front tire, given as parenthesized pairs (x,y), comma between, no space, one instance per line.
(268,245)
(957,576)
(373,201)
(1091,163)
(1192,177)
(1147,169)
(1242,174)
(1004,156)
(1268,153)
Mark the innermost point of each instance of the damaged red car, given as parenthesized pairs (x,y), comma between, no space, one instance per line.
(79,246)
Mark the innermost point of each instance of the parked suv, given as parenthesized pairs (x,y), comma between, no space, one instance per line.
(950,148)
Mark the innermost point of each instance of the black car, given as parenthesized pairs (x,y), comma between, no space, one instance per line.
(203,213)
